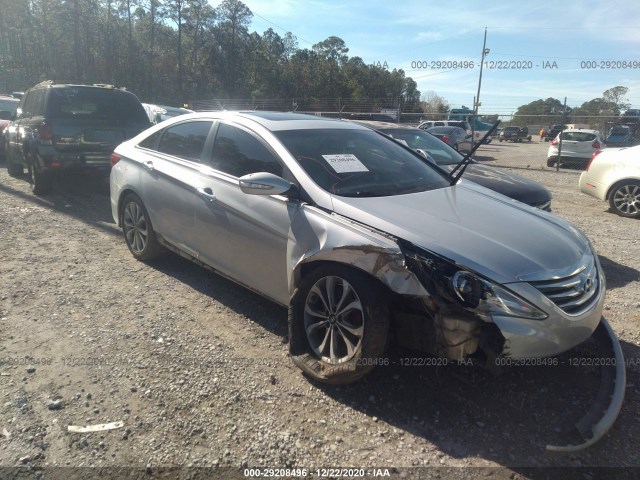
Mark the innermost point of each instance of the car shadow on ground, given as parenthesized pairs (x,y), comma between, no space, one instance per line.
(267,314)
(466,411)
(80,195)
(617,274)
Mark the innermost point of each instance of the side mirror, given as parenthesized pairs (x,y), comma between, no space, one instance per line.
(264,183)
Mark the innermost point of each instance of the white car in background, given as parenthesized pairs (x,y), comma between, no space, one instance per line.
(614,175)
(578,146)
(160,113)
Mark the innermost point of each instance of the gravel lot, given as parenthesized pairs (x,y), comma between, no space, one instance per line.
(197,371)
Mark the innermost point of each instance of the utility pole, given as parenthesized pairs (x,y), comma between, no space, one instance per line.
(563,121)
(476,101)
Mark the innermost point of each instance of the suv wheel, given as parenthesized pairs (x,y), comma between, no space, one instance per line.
(14,169)
(137,229)
(339,318)
(624,199)
(41,182)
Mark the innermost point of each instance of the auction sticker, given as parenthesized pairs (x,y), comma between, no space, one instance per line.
(345,163)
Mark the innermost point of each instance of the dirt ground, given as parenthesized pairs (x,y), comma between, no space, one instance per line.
(196,368)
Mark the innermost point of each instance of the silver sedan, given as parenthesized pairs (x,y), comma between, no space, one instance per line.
(357,235)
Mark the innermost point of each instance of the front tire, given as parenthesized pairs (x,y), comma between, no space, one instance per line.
(138,231)
(551,162)
(624,199)
(338,323)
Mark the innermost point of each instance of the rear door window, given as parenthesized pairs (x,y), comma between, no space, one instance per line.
(185,140)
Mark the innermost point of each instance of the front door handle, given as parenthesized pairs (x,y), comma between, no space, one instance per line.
(148,166)
(207,193)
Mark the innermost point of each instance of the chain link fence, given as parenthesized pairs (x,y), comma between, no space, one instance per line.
(552,142)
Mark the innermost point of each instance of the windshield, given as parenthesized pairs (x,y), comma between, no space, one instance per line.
(8,106)
(360,163)
(440,152)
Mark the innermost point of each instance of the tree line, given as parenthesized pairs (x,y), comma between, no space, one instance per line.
(593,112)
(173,51)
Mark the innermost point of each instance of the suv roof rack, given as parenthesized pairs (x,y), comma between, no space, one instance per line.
(107,85)
(45,83)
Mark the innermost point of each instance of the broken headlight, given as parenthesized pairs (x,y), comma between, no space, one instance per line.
(491,299)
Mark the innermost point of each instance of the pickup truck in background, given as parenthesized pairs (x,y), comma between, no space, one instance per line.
(514,134)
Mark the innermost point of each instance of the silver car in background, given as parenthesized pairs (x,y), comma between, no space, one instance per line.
(358,236)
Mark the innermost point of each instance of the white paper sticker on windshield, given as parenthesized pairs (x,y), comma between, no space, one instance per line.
(345,163)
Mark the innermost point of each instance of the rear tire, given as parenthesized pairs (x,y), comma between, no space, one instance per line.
(624,199)
(338,324)
(137,230)
(41,182)
(14,169)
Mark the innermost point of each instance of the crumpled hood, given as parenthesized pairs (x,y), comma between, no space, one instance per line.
(497,237)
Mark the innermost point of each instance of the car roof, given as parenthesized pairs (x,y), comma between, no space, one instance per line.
(449,128)
(586,130)
(102,86)
(384,125)
(9,98)
(278,121)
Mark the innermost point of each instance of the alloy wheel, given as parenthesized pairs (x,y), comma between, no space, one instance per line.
(626,199)
(135,227)
(334,320)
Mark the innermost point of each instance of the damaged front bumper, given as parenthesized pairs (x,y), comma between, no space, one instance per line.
(606,407)
(458,333)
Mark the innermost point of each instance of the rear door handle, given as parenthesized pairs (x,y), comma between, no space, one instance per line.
(207,193)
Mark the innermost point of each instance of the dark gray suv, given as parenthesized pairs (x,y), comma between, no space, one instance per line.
(62,126)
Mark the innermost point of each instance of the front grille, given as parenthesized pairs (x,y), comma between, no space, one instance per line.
(574,293)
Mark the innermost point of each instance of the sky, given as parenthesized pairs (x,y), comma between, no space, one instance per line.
(544,48)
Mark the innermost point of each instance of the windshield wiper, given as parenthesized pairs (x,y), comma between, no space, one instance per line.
(457,172)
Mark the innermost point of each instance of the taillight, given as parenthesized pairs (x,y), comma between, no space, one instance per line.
(595,154)
(596,144)
(445,139)
(114,158)
(45,134)
(554,142)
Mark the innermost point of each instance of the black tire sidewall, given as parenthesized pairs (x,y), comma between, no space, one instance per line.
(41,182)
(153,248)
(376,324)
